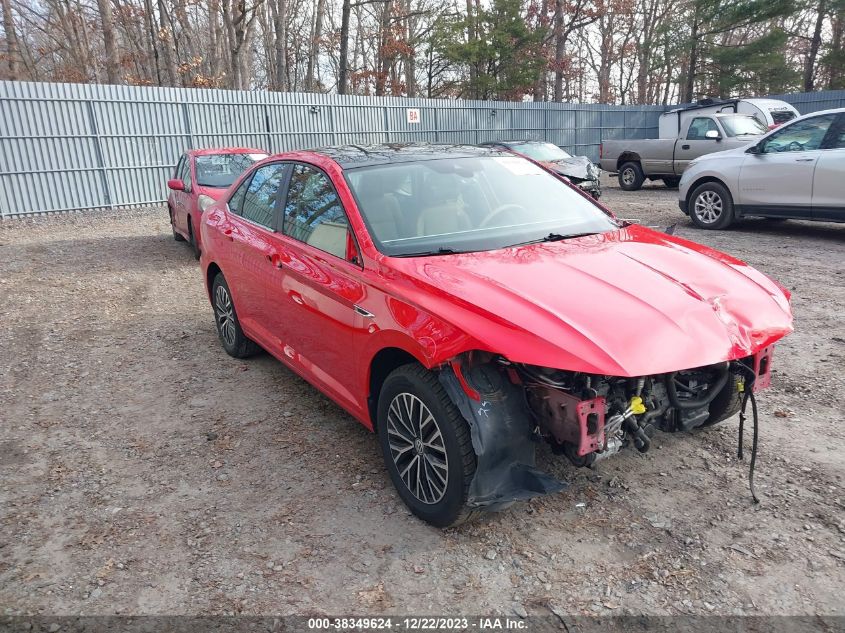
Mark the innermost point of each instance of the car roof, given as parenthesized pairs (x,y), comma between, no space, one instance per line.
(818,112)
(225,150)
(516,142)
(355,156)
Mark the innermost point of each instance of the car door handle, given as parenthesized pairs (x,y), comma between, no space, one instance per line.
(684,146)
(363,313)
(804,160)
(275,260)
(228,234)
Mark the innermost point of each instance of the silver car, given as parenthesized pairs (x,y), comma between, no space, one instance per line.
(795,171)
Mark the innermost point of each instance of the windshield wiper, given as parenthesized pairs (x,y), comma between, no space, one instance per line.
(553,237)
(438,251)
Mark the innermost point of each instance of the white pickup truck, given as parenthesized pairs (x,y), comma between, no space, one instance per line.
(666,158)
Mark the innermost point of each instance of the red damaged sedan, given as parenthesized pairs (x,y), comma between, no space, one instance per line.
(201,177)
(464,303)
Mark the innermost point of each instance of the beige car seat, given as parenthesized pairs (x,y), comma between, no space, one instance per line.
(442,210)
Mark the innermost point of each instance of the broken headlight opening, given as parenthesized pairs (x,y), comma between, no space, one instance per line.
(588,418)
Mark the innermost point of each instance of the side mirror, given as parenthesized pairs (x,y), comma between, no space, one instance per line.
(175,184)
(754,149)
(713,135)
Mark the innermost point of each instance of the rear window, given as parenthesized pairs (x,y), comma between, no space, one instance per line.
(221,170)
(782,117)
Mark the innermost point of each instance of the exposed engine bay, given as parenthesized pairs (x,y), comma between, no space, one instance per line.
(586,417)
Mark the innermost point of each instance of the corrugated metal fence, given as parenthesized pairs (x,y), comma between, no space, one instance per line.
(71,146)
(806,102)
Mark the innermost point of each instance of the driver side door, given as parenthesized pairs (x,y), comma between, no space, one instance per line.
(778,181)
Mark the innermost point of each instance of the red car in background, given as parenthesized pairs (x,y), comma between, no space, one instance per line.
(466,303)
(200,178)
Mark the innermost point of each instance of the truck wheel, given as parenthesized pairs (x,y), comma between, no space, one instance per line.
(671,183)
(631,176)
(711,206)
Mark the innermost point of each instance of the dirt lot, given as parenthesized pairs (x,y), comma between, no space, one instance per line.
(143,471)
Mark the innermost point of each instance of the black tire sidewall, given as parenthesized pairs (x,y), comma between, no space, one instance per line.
(639,178)
(240,339)
(727,216)
(446,511)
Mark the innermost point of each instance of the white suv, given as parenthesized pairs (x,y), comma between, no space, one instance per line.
(795,171)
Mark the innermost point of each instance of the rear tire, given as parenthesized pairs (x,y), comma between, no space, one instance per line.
(711,206)
(671,183)
(631,176)
(229,330)
(420,427)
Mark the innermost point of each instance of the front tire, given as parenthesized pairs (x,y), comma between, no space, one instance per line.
(229,329)
(193,238)
(631,176)
(426,446)
(711,206)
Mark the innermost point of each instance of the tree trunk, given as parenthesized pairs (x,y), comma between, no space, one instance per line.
(165,36)
(315,45)
(472,35)
(688,95)
(344,47)
(382,62)
(560,49)
(280,26)
(148,9)
(815,43)
(107,23)
(12,54)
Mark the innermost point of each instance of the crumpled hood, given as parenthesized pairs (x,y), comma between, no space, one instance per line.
(632,302)
(575,167)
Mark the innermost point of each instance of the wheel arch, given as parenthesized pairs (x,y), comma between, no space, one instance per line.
(703,180)
(210,273)
(628,157)
(383,362)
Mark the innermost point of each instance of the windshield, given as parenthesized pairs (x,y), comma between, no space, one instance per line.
(540,151)
(469,204)
(742,125)
(221,170)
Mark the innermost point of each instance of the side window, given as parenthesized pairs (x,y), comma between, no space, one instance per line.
(186,173)
(177,173)
(699,127)
(838,140)
(802,136)
(259,201)
(313,213)
(236,202)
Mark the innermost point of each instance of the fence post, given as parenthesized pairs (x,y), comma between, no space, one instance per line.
(268,129)
(186,120)
(386,123)
(98,150)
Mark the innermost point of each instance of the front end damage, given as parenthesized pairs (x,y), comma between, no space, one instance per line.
(510,407)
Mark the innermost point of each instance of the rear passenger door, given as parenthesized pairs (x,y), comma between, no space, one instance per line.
(181,199)
(828,187)
(253,265)
(321,286)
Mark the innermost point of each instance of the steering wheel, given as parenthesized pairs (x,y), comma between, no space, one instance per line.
(795,146)
(500,210)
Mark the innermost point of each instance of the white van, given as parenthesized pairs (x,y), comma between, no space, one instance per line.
(769,112)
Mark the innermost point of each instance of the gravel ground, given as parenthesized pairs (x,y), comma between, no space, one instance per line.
(143,471)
